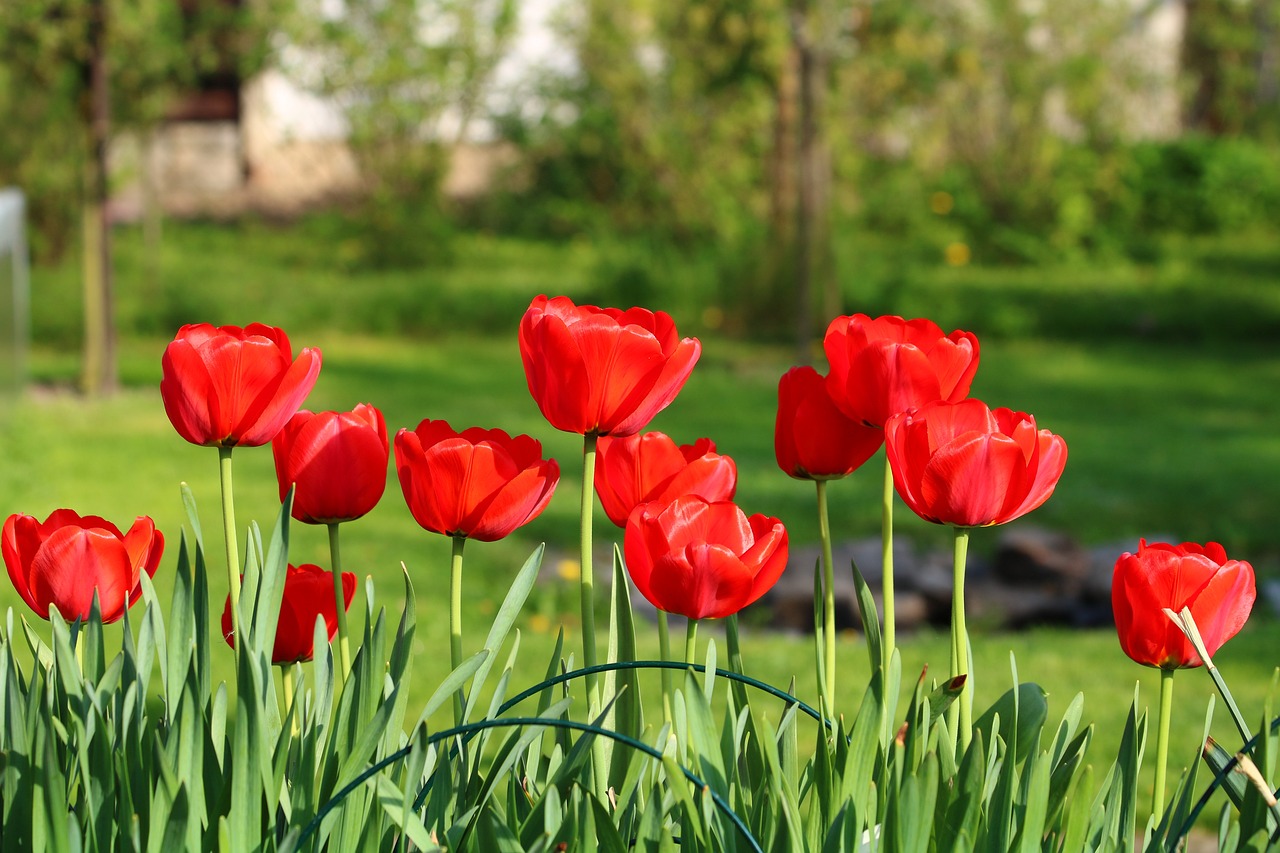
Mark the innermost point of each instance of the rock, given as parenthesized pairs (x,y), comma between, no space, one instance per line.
(1034,557)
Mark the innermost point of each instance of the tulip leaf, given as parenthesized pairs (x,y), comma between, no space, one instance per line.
(193,515)
(870,618)
(1021,712)
(181,637)
(452,683)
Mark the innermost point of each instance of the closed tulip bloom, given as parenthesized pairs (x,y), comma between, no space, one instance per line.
(887,365)
(1220,593)
(308,593)
(224,386)
(337,462)
(703,560)
(968,466)
(61,562)
(478,483)
(602,371)
(637,469)
(812,438)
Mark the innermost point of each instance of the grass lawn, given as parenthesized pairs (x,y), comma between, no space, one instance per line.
(1164,438)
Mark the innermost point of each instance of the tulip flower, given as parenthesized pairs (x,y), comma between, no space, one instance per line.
(889,365)
(814,440)
(703,560)
(63,561)
(636,469)
(969,466)
(600,371)
(336,463)
(965,465)
(1219,592)
(884,366)
(475,484)
(225,387)
(308,593)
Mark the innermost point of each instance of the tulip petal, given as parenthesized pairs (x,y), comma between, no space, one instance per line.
(705,581)
(72,563)
(21,541)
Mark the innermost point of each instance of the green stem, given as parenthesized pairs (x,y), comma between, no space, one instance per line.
(286,674)
(960,715)
(1162,741)
(455,619)
(229,532)
(587,575)
(339,601)
(886,563)
(691,643)
(828,603)
(664,652)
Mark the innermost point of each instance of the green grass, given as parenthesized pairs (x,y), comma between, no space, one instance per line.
(1165,438)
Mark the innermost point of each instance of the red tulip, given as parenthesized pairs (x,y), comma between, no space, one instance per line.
(889,365)
(308,593)
(602,371)
(1219,591)
(814,440)
(701,559)
(965,465)
(337,462)
(61,562)
(226,386)
(479,483)
(636,469)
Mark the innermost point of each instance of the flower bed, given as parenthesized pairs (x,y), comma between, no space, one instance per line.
(144,750)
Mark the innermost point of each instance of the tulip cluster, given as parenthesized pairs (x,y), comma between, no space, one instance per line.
(690,550)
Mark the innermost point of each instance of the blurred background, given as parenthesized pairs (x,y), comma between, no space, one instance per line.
(1091,186)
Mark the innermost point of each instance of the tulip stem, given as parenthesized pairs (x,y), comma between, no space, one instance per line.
(886,564)
(1162,741)
(691,643)
(960,715)
(229,532)
(664,652)
(455,619)
(286,675)
(587,574)
(339,601)
(828,603)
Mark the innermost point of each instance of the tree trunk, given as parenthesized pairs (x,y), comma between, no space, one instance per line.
(815,285)
(99,368)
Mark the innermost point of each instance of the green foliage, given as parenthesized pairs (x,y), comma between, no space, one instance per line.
(187,764)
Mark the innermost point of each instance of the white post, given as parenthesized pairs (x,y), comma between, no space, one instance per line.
(13,242)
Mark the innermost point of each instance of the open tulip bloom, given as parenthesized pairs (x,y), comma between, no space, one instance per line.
(63,561)
(600,371)
(1161,577)
(703,560)
(227,386)
(475,484)
(336,464)
(224,386)
(965,465)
